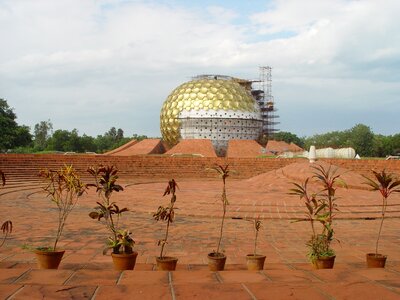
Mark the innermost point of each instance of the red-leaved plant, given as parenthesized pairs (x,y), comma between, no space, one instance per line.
(321,207)
(166,213)
(105,178)
(386,184)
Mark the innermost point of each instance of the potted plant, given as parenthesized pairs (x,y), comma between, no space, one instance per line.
(255,261)
(63,187)
(108,212)
(166,263)
(320,210)
(386,184)
(6,227)
(217,259)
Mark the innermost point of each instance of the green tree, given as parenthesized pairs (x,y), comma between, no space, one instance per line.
(42,133)
(120,134)
(7,125)
(382,145)
(11,134)
(88,143)
(395,142)
(103,143)
(58,141)
(74,143)
(334,139)
(138,137)
(361,139)
(23,137)
(64,140)
(110,140)
(112,134)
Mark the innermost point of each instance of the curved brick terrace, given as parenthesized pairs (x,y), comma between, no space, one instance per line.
(86,273)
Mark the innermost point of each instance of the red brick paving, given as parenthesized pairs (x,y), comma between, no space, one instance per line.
(244,148)
(86,274)
(202,147)
(123,147)
(281,146)
(147,146)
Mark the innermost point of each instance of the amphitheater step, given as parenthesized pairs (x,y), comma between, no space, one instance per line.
(279,282)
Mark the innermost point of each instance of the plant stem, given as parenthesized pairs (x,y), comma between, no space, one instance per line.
(384,199)
(223,215)
(312,226)
(171,209)
(165,240)
(255,243)
(221,229)
(109,221)
(60,221)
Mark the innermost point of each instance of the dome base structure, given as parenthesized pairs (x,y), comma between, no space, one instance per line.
(220,127)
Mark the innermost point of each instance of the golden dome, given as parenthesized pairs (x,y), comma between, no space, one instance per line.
(202,94)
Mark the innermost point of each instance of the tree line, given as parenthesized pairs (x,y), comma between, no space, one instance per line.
(18,138)
(360,137)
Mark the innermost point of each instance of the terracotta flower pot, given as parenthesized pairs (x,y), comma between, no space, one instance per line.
(376,260)
(325,262)
(48,259)
(124,261)
(216,261)
(167,263)
(255,262)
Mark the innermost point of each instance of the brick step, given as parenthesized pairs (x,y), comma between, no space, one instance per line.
(280,282)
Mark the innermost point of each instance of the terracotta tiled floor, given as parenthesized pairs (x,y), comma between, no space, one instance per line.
(86,273)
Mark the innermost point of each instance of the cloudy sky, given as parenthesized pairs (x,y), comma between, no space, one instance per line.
(94,64)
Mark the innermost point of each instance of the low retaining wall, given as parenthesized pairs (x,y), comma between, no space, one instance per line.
(28,165)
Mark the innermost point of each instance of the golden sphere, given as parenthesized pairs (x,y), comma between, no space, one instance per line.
(202,94)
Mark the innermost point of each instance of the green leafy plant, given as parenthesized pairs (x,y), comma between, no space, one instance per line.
(386,184)
(63,187)
(108,212)
(7,226)
(223,172)
(321,207)
(123,242)
(166,213)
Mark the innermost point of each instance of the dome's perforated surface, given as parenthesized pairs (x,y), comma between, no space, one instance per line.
(204,95)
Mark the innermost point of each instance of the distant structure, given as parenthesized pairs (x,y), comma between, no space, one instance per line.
(266,102)
(219,108)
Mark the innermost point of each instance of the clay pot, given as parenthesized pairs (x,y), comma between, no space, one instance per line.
(325,262)
(255,262)
(376,260)
(167,263)
(124,261)
(216,261)
(48,259)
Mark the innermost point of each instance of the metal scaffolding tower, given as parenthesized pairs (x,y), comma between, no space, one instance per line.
(266,102)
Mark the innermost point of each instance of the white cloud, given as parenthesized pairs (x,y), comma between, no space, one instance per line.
(112,63)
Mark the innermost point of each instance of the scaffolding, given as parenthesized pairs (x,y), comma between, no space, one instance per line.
(266,102)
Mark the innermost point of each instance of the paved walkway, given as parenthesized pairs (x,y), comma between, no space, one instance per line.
(86,273)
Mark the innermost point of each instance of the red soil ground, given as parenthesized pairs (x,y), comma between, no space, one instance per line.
(86,273)
(244,148)
(147,146)
(201,147)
